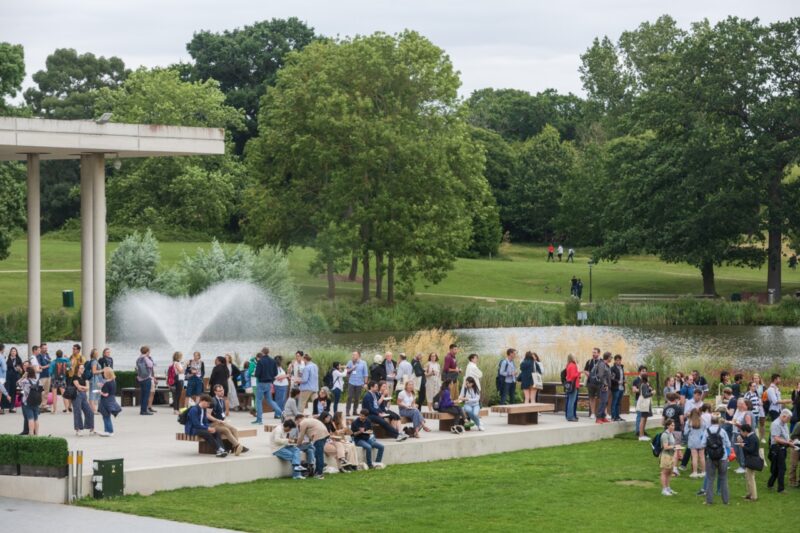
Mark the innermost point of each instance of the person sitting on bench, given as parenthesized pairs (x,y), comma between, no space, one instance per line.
(408,408)
(446,405)
(363,437)
(371,404)
(197,424)
(284,448)
(216,415)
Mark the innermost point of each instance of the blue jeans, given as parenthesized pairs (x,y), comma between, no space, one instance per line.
(616,400)
(602,402)
(144,398)
(292,455)
(508,393)
(319,456)
(638,422)
(369,445)
(80,405)
(108,426)
(337,395)
(280,397)
(263,391)
(473,412)
(572,405)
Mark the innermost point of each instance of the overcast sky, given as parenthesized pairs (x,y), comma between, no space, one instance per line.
(524,44)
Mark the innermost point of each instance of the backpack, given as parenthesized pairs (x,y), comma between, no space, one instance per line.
(327,380)
(594,377)
(564,377)
(87,371)
(500,380)
(183,416)
(655,444)
(61,370)
(435,401)
(714,446)
(765,401)
(171,375)
(35,395)
(141,369)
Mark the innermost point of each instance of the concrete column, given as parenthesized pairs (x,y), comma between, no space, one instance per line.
(99,248)
(87,265)
(34,254)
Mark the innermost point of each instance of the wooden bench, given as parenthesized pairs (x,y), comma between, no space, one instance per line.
(524,414)
(269,428)
(661,297)
(130,396)
(446,420)
(377,429)
(204,447)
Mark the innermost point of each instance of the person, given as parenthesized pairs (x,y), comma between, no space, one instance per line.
(336,445)
(795,456)
(573,287)
(145,375)
(295,369)
(13,374)
(754,398)
(774,398)
(716,443)
(507,372)
(408,408)
(669,386)
(593,389)
(96,380)
(602,376)
(233,376)
(667,458)
(672,411)
(217,412)
(405,372)
(793,261)
(308,382)
(285,449)
(337,375)
(778,443)
(473,370)
(384,400)
(342,433)
(736,386)
(175,379)
(318,434)
(377,372)
(740,417)
(572,383)
(471,396)
(281,386)
(451,370)
(700,382)
(357,376)
(363,437)
(795,406)
(560,252)
(80,406)
(644,406)
(550,250)
(372,405)
(687,390)
(197,425)
(219,374)
(579,288)
(693,431)
(75,359)
(108,405)
(44,361)
(525,377)
(748,443)
(195,372)
(106,361)
(446,405)
(762,417)
(322,403)
(571,255)
(538,381)
(30,412)
(433,380)
(618,390)
(5,397)
(59,369)
(265,375)
(390,369)
(636,385)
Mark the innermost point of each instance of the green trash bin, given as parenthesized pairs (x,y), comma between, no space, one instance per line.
(68,298)
(107,478)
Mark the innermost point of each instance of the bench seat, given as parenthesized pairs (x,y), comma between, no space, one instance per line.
(524,413)
(204,448)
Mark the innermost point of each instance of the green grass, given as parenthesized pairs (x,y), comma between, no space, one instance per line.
(569,488)
(520,273)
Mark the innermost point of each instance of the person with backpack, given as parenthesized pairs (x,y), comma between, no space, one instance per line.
(145,376)
(666,460)
(31,399)
(717,445)
(571,380)
(618,390)
(175,380)
(59,370)
(196,423)
(82,414)
(508,372)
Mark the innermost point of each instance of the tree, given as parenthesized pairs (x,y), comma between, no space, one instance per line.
(502,164)
(12,72)
(12,204)
(68,87)
(584,195)
(362,138)
(133,265)
(245,62)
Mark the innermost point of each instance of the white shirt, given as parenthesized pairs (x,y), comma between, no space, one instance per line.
(774,397)
(282,382)
(338,379)
(560,250)
(404,369)
(405,400)
(474,372)
(691,404)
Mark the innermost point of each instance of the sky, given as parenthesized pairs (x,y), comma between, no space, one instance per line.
(525,44)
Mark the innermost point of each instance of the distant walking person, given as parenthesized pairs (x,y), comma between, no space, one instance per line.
(550,250)
(560,252)
(571,255)
(573,287)
(579,288)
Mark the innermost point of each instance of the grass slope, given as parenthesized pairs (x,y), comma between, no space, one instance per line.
(583,487)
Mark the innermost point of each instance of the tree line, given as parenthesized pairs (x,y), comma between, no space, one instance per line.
(685,146)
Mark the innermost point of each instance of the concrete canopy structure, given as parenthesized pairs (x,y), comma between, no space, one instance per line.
(32,140)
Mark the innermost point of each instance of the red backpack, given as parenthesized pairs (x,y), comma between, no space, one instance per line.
(171,375)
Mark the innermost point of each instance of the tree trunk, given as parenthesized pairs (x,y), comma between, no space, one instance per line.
(353,268)
(365,276)
(774,226)
(707,269)
(390,280)
(378,275)
(331,281)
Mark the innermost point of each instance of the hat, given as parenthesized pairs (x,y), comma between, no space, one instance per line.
(378,359)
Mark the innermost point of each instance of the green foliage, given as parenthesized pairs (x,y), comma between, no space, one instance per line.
(133,265)
(271,271)
(12,72)
(8,449)
(208,267)
(12,203)
(56,324)
(41,451)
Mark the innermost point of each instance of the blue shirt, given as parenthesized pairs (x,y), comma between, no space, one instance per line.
(44,364)
(310,378)
(3,367)
(359,374)
(687,391)
(507,369)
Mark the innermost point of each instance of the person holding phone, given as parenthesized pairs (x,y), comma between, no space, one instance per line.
(363,437)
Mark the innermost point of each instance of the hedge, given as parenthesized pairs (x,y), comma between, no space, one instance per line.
(33,451)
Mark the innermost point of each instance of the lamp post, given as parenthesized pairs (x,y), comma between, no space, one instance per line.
(591,264)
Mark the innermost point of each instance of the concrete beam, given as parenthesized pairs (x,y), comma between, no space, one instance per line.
(34,253)
(98,171)
(87,256)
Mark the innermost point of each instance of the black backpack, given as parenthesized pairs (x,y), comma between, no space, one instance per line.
(435,401)
(655,444)
(500,379)
(183,416)
(715,449)
(328,379)
(87,371)
(35,395)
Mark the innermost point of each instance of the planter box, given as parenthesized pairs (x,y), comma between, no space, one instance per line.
(9,470)
(43,471)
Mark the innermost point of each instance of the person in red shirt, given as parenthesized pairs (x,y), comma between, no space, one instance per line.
(550,250)
(451,370)
(572,384)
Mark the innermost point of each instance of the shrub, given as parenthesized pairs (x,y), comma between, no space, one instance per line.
(8,449)
(133,264)
(42,451)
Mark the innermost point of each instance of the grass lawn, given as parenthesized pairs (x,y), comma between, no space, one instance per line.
(519,273)
(609,485)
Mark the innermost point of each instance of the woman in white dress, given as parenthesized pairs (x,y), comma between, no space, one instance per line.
(233,372)
(433,379)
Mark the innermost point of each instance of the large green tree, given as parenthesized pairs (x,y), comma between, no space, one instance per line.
(361,149)
(245,61)
(12,203)
(12,72)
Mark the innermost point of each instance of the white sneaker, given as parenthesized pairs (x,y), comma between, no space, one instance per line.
(104,434)
(644,439)
(379,466)
(740,470)
(694,475)
(701,474)
(401,437)
(666,492)
(672,491)
(481,428)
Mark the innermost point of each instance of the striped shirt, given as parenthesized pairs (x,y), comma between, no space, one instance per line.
(755,401)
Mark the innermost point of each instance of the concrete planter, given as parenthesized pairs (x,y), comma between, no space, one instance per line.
(9,470)
(43,471)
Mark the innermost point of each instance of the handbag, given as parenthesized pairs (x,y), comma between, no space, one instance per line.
(754,462)
(537,381)
(70,392)
(569,386)
(643,404)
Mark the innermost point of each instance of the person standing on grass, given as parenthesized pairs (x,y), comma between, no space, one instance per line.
(508,373)
(667,457)
(794,453)
(774,398)
(592,388)
(357,376)
(572,382)
(80,406)
(108,406)
(433,378)
(145,375)
(550,250)
(618,389)
(795,406)
(762,417)
(364,438)
(742,416)
(573,287)
(579,288)
(308,382)
(754,398)
(644,407)
(672,411)
(717,445)
(700,382)
(778,444)
(318,434)
(560,252)
(571,255)
(693,431)
(748,442)
(283,448)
